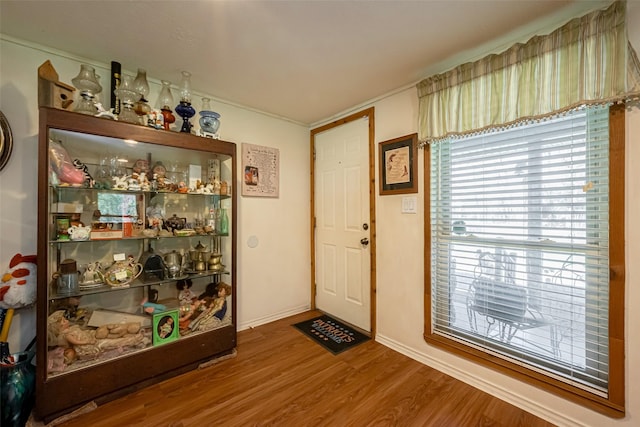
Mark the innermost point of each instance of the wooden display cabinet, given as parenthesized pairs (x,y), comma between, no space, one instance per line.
(105,287)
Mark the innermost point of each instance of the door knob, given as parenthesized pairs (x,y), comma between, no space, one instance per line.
(364,241)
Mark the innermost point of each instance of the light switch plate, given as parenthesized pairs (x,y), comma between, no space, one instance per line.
(410,205)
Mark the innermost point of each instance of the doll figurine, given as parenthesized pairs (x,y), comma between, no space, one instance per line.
(214,310)
(186,295)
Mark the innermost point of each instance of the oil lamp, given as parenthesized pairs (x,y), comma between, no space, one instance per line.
(209,120)
(184,108)
(88,87)
(165,101)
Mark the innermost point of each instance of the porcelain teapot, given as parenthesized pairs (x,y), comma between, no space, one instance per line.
(78,232)
(122,273)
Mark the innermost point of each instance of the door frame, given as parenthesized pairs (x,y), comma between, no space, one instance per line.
(369,112)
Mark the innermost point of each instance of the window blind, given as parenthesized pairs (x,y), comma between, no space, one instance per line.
(520,262)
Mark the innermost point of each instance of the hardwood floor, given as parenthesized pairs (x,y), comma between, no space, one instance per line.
(281,378)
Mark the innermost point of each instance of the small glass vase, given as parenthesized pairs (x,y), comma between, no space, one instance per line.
(88,87)
(165,101)
(209,120)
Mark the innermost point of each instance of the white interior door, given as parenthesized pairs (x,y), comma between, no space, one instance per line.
(343,265)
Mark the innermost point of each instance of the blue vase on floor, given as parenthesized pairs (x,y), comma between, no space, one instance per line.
(17,386)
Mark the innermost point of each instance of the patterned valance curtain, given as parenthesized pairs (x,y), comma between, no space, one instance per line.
(589,60)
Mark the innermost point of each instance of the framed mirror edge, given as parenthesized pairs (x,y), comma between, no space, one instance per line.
(6,141)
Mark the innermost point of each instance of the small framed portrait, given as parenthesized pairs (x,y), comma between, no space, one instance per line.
(399,165)
(251,175)
(165,327)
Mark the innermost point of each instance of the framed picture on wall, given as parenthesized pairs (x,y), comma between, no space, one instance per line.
(399,165)
(165,327)
(261,168)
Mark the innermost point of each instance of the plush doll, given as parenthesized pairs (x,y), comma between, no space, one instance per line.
(18,288)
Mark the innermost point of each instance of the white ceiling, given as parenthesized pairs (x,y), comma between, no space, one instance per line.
(304,60)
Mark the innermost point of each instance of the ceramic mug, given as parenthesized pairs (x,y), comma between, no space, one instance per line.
(67,277)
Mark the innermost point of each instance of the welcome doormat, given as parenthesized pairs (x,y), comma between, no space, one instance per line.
(331,334)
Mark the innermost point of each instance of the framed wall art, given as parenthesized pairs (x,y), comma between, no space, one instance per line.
(399,165)
(165,327)
(261,171)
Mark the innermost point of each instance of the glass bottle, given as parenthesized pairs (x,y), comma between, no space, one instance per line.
(211,219)
(224,222)
(103,174)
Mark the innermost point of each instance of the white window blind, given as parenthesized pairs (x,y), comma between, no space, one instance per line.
(520,260)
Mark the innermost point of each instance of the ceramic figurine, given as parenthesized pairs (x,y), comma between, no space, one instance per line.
(104,113)
(89,182)
(79,233)
(152,307)
(120,182)
(92,274)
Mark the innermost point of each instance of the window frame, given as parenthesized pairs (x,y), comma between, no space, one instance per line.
(613,404)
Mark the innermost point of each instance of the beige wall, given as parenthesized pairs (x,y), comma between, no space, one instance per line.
(273,278)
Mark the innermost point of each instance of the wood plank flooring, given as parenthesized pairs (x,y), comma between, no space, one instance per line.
(282,378)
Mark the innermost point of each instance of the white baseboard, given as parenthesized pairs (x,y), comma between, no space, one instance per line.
(501,393)
(273,317)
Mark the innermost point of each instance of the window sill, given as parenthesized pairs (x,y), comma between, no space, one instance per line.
(577,395)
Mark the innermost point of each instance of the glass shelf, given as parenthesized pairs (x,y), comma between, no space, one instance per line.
(53,295)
